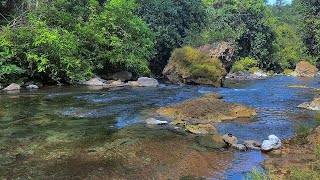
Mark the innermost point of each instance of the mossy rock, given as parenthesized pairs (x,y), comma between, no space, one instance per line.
(206,109)
(191,66)
(210,141)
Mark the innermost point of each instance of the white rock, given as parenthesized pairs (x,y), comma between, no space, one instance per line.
(32,86)
(153,121)
(260,74)
(148,82)
(240,147)
(95,82)
(273,143)
(12,87)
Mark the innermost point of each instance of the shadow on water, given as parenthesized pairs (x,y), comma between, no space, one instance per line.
(78,132)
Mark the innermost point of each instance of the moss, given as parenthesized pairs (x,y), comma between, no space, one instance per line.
(288,72)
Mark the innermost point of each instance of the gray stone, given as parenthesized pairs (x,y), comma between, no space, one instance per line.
(133,83)
(239,147)
(95,82)
(153,121)
(12,87)
(254,145)
(229,139)
(123,76)
(148,82)
(32,86)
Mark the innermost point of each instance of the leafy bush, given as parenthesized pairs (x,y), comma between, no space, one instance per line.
(244,64)
(288,72)
(270,73)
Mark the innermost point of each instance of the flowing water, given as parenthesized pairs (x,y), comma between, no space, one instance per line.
(83,133)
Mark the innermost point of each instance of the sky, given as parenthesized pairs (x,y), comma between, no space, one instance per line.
(273,1)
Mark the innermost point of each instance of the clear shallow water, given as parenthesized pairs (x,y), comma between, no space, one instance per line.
(78,132)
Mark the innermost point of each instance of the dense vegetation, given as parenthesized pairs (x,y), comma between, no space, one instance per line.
(71,40)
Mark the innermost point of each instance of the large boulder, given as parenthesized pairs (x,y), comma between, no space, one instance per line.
(123,76)
(305,69)
(222,50)
(272,143)
(192,66)
(147,82)
(206,109)
(313,105)
(12,87)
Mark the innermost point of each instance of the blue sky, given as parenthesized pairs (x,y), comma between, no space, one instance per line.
(273,1)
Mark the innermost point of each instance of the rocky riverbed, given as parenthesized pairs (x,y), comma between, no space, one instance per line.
(80,132)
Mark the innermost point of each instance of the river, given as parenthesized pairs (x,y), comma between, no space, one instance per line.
(93,133)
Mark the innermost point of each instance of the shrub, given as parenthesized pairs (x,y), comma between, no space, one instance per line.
(244,64)
(288,72)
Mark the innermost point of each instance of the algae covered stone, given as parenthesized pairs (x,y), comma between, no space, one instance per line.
(206,109)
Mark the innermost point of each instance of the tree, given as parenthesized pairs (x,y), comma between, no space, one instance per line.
(172,21)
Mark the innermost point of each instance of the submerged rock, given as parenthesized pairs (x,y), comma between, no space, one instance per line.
(147,82)
(230,139)
(207,109)
(210,141)
(305,69)
(313,105)
(153,121)
(117,83)
(123,76)
(202,129)
(12,87)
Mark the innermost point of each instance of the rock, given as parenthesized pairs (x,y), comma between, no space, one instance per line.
(202,129)
(272,143)
(153,121)
(117,83)
(178,122)
(222,50)
(314,105)
(1,86)
(239,147)
(229,139)
(12,87)
(32,86)
(260,74)
(123,76)
(254,145)
(305,69)
(213,95)
(210,141)
(95,82)
(133,83)
(147,82)
(191,66)
(206,109)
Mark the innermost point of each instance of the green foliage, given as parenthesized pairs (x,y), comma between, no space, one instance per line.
(288,72)
(309,25)
(69,40)
(270,73)
(288,46)
(198,64)
(248,23)
(244,64)
(173,22)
